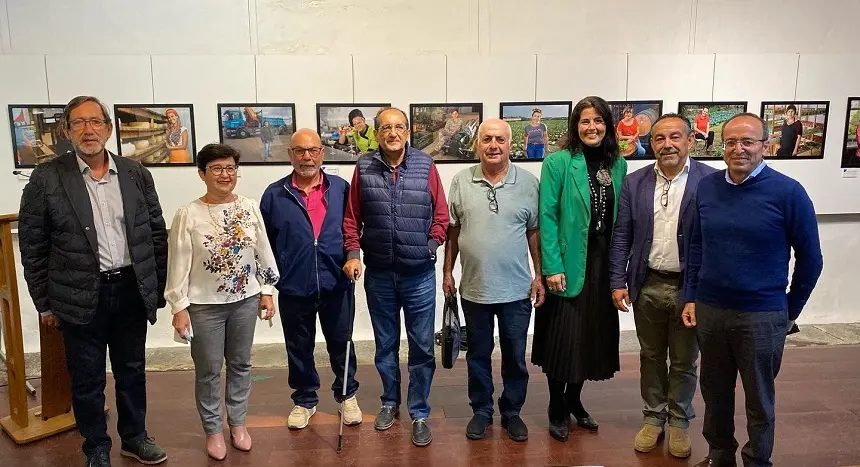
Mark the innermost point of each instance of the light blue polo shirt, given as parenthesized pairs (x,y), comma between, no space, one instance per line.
(494,254)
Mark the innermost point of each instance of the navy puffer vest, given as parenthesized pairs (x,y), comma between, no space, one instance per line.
(397,215)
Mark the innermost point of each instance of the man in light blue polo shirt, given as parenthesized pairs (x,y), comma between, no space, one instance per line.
(494,224)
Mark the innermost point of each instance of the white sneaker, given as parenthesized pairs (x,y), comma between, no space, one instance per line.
(351,412)
(300,417)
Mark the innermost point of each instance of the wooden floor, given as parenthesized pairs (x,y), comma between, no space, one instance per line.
(818,423)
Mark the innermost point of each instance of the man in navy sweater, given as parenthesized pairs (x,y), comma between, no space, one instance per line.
(749,219)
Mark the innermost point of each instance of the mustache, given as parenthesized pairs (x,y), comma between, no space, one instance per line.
(668,151)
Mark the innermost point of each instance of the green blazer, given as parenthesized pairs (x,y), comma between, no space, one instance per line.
(565,214)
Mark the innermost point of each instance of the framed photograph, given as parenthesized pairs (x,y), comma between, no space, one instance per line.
(797,129)
(633,121)
(37,134)
(537,127)
(707,119)
(347,130)
(156,134)
(446,131)
(850,149)
(260,132)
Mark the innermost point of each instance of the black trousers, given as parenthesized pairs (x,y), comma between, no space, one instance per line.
(299,318)
(749,343)
(119,324)
(709,141)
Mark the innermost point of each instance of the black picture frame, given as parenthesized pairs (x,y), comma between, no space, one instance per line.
(716,153)
(851,156)
(126,114)
(554,133)
(459,146)
(336,153)
(238,136)
(28,146)
(647,111)
(771,124)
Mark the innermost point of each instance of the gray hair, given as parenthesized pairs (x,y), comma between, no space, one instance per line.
(684,119)
(764,134)
(386,109)
(79,101)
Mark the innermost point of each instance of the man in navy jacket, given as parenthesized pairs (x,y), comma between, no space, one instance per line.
(303,213)
(648,256)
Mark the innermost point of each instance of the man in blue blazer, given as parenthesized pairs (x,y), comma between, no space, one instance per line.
(648,256)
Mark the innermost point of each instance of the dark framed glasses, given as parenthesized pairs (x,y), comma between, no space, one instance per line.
(494,203)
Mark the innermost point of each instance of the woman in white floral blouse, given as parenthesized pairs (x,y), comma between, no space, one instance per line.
(220,273)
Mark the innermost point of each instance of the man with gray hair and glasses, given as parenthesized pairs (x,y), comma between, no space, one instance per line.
(94,250)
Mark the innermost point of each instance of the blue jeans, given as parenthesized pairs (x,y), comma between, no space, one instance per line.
(387,292)
(267,149)
(513,327)
(534,151)
(751,344)
(640,150)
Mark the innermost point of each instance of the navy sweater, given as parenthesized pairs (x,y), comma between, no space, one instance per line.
(742,241)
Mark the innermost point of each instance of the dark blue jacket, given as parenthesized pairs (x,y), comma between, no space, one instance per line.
(397,215)
(634,228)
(307,266)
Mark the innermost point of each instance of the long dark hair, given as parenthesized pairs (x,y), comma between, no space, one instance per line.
(609,145)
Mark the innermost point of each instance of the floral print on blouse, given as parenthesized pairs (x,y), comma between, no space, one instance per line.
(218,254)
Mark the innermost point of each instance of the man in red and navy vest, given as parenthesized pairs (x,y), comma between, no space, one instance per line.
(397,215)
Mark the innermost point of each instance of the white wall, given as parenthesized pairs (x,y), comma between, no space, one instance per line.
(307,51)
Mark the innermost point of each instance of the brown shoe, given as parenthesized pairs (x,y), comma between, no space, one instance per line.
(240,438)
(216,447)
(647,438)
(679,442)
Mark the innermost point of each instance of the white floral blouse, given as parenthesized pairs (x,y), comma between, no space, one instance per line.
(218,253)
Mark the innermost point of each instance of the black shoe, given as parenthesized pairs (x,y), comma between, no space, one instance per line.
(385,417)
(421,432)
(477,428)
(98,458)
(144,450)
(708,462)
(515,428)
(587,422)
(558,428)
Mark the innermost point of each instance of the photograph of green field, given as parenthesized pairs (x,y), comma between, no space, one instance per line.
(707,119)
(537,128)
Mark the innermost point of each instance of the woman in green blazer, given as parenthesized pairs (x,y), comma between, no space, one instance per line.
(576,330)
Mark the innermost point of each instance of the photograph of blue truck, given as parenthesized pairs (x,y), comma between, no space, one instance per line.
(261,132)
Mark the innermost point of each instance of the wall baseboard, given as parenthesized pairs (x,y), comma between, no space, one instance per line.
(274,355)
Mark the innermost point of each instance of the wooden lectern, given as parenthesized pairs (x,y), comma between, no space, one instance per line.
(55,414)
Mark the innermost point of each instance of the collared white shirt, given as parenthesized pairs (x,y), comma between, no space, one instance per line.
(664,245)
(754,173)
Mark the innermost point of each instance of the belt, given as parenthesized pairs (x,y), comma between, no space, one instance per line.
(116,275)
(665,274)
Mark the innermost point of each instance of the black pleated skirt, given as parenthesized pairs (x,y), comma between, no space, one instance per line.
(577,339)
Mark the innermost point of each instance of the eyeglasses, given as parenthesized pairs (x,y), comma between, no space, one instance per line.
(299,152)
(747,143)
(217,170)
(664,197)
(494,203)
(78,124)
(400,128)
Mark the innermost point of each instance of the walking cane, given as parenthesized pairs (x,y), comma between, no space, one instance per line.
(351,299)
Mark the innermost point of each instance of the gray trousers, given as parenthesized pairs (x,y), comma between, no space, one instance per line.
(223,331)
(657,313)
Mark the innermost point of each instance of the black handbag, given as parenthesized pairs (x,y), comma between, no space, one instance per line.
(450,334)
